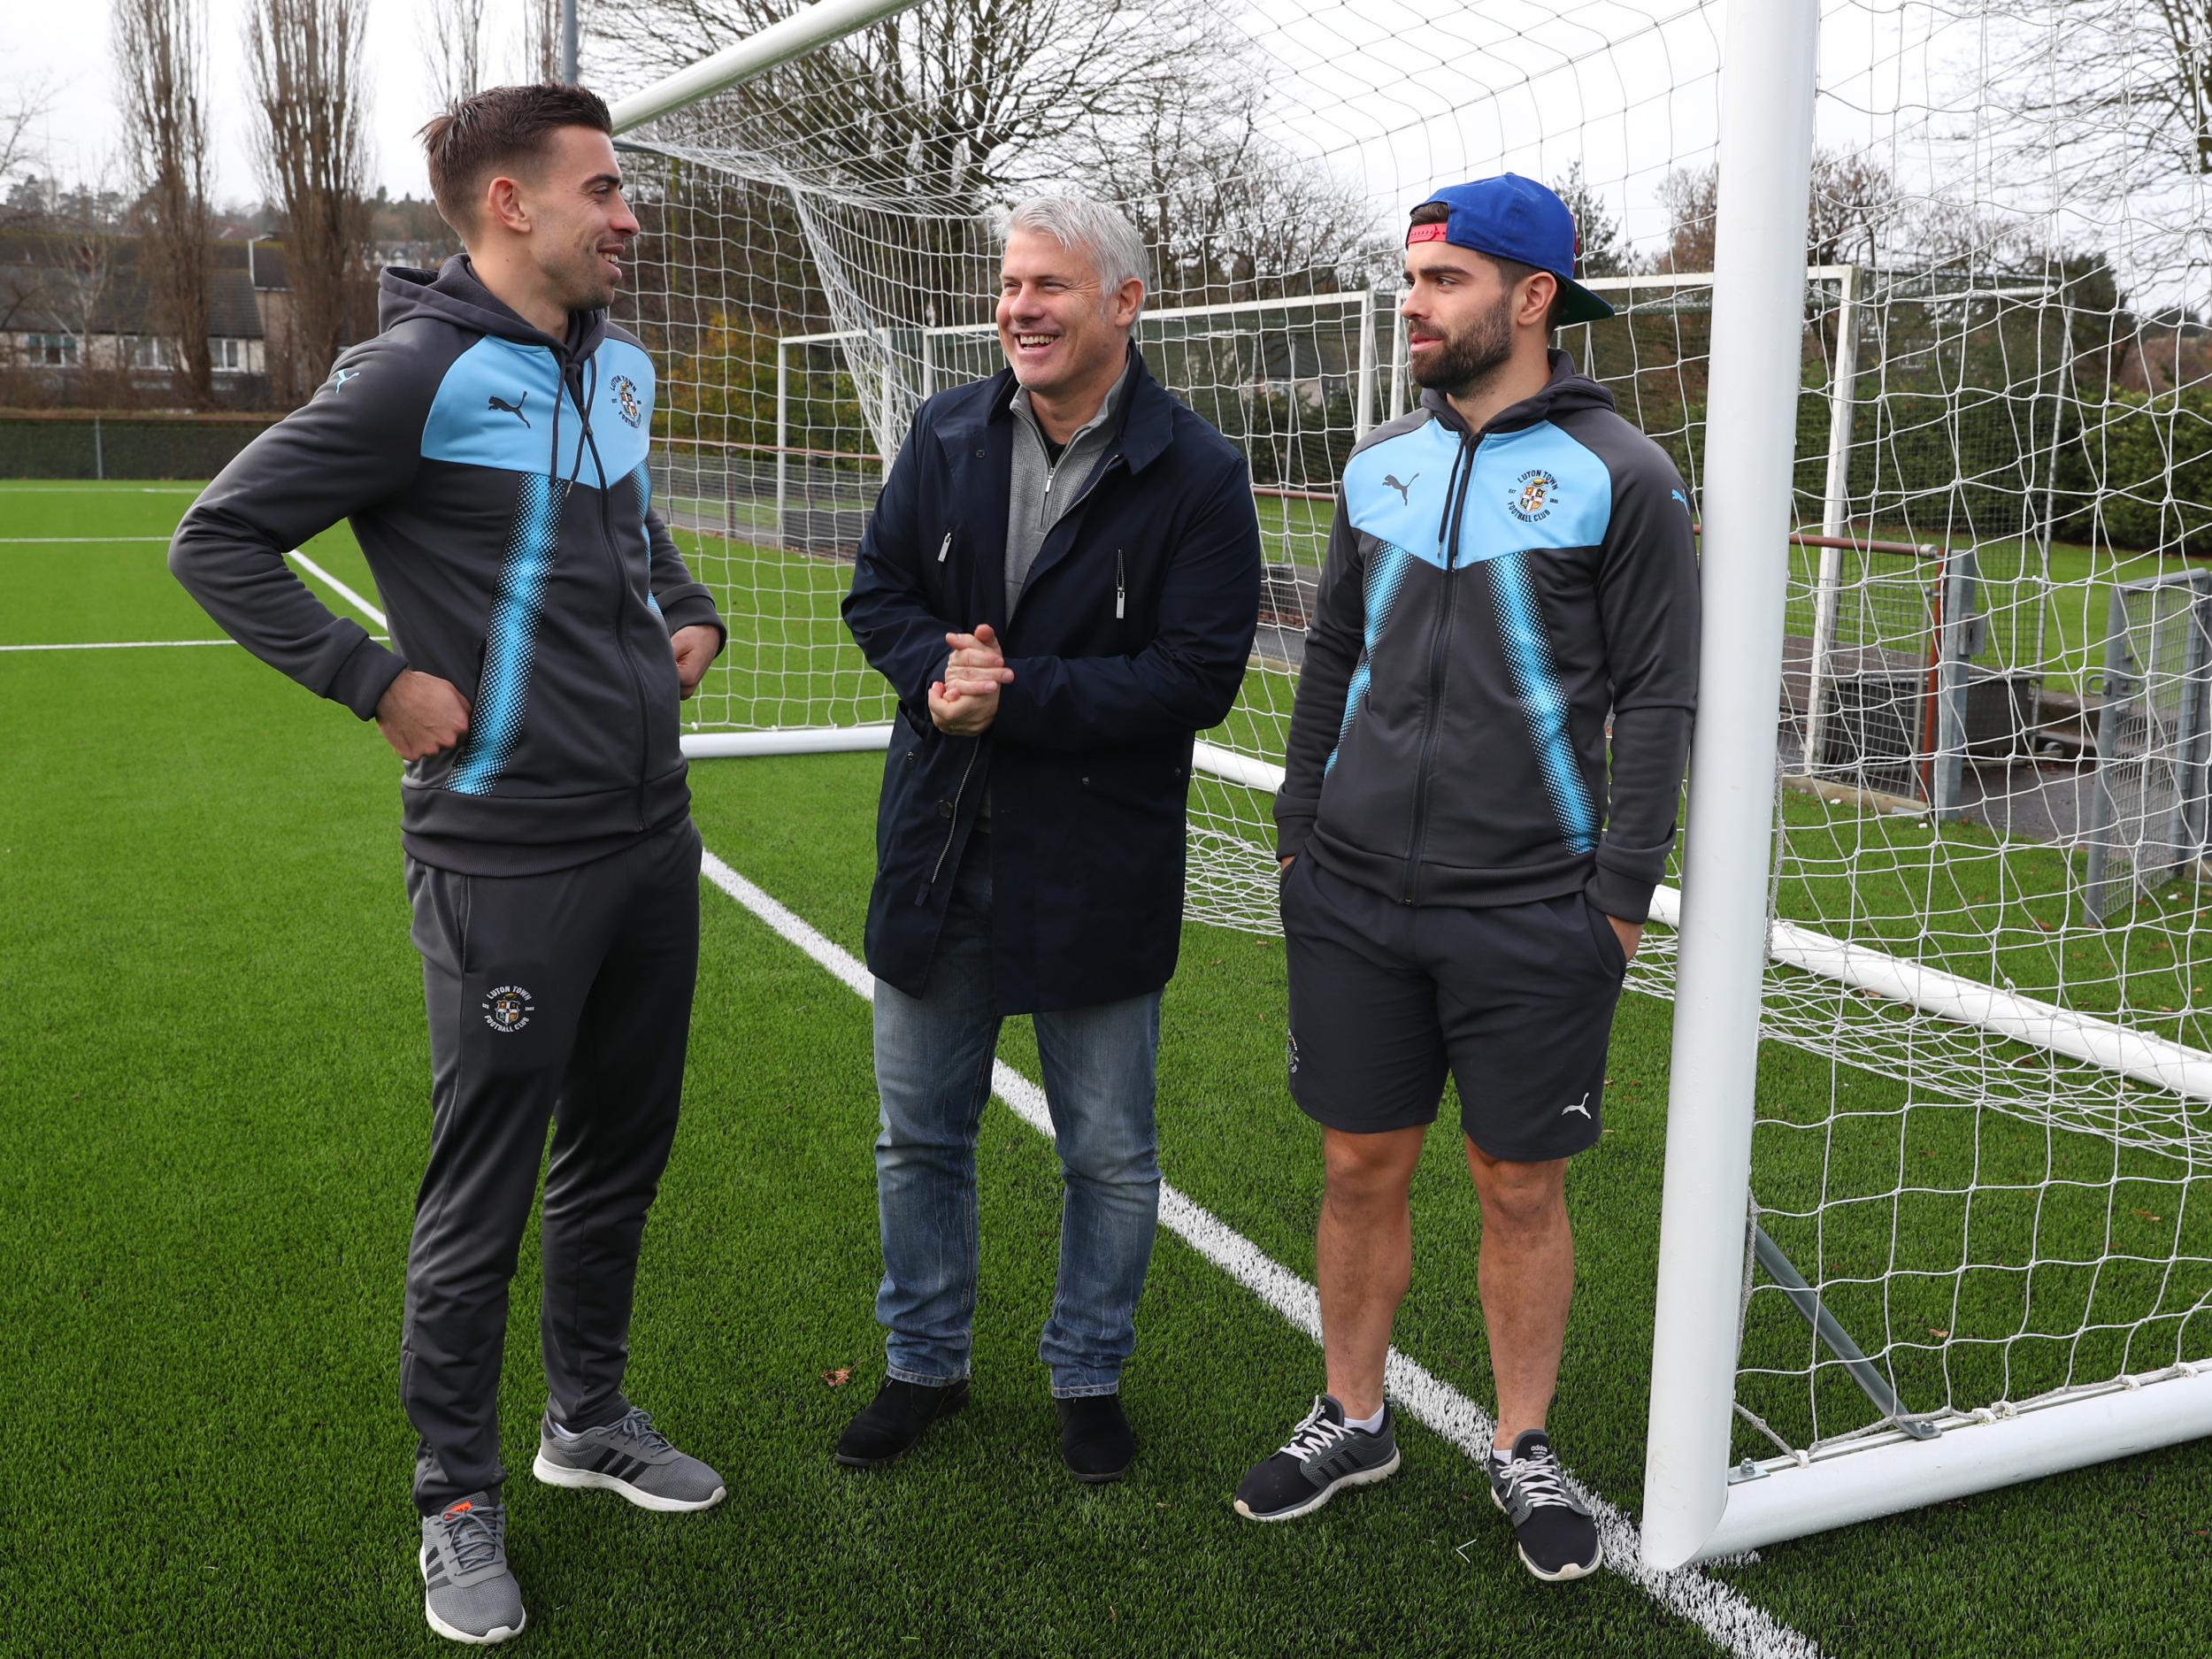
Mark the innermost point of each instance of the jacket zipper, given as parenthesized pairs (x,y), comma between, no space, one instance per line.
(1052,471)
(1121,589)
(953,829)
(621,596)
(1433,717)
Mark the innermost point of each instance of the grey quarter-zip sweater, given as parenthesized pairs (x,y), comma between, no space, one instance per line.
(1041,490)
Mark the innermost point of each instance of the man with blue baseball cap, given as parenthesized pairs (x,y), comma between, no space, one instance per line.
(1467,860)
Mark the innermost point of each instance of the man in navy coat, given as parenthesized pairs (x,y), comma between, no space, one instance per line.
(1061,580)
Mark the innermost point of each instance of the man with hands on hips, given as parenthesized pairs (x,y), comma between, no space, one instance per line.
(1060,581)
(489,445)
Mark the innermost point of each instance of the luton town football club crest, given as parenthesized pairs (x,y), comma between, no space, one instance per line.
(625,399)
(1532,494)
(507,1009)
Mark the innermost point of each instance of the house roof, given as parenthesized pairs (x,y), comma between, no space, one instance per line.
(54,283)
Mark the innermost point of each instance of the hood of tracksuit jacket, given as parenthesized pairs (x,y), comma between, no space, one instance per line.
(1472,637)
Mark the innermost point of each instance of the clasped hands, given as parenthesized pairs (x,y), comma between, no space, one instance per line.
(964,701)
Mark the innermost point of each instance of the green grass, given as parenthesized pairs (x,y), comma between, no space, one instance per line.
(213,1091)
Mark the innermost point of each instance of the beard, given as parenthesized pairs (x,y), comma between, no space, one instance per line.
(587,287)
(1463,361)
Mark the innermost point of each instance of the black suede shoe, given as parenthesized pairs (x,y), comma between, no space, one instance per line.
(1096,1443)
(894,1419)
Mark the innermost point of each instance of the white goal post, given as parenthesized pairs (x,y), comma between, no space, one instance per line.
(1697,1507)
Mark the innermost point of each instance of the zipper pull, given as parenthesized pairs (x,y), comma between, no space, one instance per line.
(1121,589)
(944,548)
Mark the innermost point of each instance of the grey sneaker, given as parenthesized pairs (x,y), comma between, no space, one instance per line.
(632,1457)
(1551,1527)
(467,1593)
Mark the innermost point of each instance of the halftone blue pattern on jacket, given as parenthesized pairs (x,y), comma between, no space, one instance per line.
(1386,575)
(502,694)
(1528,656)
(640,479)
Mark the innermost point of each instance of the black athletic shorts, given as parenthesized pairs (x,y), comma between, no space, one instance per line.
(1516,1002)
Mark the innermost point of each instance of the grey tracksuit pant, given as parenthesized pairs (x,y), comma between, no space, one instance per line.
(561,998)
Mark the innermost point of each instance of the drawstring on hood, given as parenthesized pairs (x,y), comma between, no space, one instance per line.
(1567,391)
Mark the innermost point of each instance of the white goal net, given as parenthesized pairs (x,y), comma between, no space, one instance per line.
(1982,1160)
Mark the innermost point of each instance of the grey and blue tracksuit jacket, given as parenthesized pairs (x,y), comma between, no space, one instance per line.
(1489,598)
(496,478)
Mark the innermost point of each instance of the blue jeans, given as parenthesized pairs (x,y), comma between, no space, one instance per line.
(934,1057)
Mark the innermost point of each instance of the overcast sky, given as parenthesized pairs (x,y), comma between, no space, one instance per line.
(1420,93)
(1391,97)
(66,44)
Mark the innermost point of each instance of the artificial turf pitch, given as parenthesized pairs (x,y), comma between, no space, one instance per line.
(213,1083)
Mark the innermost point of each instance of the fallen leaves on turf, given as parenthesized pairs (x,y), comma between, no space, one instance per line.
(839,1378)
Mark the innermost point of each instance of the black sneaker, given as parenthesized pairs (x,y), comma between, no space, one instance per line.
(1321,1458)
(1557,1537)
(1096,1443)
(894,1419)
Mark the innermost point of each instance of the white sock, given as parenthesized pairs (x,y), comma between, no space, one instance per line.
(559,1433)
(1368,1425)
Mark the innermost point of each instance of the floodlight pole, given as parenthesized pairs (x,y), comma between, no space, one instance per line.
(568,42)
(1759,286)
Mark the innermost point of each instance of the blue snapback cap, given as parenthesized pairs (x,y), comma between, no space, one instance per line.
(1512,218)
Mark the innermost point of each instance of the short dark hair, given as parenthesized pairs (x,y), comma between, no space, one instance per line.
(470,139)
(1512,270)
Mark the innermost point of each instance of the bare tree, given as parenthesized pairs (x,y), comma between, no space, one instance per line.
(952,104)
(1692,199)
(21,109)
(161,78)
(1600,251)
(453,47)
(2119,91)
(304,59)
(1230,212)
(1855,207)
(66,284)
(1853,211)
(542,40)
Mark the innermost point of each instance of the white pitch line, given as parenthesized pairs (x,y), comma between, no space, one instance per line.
(341,589)
(138,645)
(117,645)
(1732,1623)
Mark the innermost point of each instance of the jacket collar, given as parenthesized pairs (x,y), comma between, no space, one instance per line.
(1148,413)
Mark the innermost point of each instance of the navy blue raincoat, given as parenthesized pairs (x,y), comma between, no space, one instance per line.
(1131,637)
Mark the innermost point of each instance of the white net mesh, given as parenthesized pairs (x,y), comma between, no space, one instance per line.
(1984,1131)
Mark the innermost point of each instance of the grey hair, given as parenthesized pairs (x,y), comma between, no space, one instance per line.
(1080,222)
